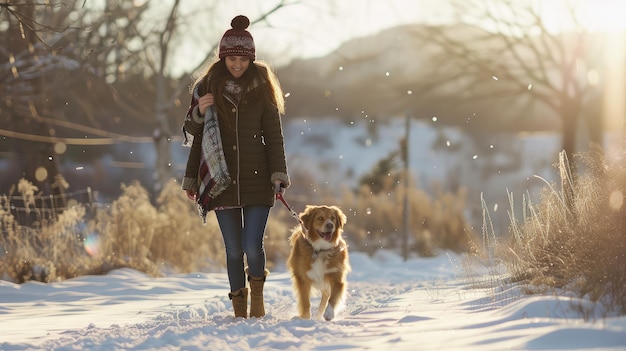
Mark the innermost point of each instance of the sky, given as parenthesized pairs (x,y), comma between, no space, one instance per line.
(306,29)
(419,304)
(316,28)
(320,26)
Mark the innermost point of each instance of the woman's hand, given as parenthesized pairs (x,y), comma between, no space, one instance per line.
(279,187)
(192,195)
(204,102)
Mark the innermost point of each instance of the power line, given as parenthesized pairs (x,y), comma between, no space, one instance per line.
(78,141)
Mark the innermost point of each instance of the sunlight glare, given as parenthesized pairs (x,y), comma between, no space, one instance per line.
(594,16)
(616,200)
(614,106)
(603,15)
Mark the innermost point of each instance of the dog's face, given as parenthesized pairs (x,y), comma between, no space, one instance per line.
(323,224)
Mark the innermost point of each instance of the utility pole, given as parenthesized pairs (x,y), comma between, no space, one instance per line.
(405,154)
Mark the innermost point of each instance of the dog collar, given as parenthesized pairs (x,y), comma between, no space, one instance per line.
(316,253)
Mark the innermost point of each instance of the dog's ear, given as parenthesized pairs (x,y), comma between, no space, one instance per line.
(305,216)
(341,217)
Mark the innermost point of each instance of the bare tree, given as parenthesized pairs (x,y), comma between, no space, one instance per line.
(22,84)
(503,48)
(55,79)
(22,15)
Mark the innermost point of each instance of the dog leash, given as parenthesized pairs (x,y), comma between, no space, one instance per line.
(293,213)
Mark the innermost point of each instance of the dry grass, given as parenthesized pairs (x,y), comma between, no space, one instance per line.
(167,235)
(93,239)
(377,220)
(575,237)
(45,250)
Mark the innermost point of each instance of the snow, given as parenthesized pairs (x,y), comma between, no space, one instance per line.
(418,304)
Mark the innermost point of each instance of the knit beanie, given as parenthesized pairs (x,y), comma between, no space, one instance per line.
(237,41)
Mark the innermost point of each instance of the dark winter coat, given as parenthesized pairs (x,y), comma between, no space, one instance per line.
(254,150)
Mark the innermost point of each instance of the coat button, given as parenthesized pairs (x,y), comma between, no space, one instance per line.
(234,181)
(235,147)
(234,110)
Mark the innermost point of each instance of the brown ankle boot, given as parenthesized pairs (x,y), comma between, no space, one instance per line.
(239,299)
(257,308)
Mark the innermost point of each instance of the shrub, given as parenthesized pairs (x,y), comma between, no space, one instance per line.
(48,250)
(575,237)
(94,239)
(167,235)
(376,220)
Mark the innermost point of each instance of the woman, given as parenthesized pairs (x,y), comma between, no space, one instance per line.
(237,159)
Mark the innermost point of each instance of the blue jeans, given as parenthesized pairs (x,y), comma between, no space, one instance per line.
(243,236)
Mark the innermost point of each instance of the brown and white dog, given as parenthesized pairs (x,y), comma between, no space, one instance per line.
(319,259)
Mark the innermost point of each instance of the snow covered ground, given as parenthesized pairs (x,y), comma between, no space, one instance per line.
(420,304)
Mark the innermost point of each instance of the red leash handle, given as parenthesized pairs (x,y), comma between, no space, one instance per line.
(280,197)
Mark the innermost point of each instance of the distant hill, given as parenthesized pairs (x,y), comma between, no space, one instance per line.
(384,75)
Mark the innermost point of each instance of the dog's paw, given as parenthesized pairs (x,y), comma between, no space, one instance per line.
(329,313)
(303,316)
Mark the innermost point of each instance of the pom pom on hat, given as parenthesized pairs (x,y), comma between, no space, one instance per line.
(237,41)
(240,22)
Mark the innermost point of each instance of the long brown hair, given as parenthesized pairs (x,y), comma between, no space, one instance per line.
(258,75)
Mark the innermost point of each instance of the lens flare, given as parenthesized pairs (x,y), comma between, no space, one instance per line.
(92,244)
(41,174)
(616,200)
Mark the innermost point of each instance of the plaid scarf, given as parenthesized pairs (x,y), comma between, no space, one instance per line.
(213,173)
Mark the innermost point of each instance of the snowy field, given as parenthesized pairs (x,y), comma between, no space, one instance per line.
(420,304)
